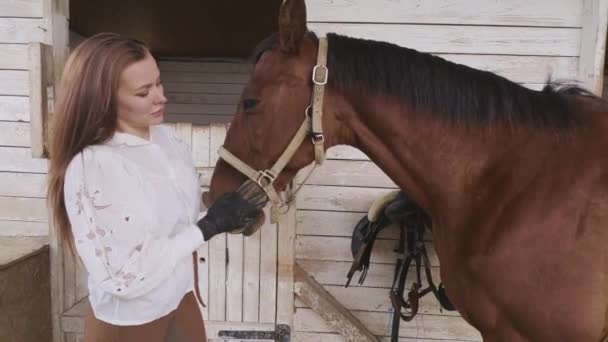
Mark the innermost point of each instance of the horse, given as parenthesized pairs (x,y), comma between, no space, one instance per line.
(514,180)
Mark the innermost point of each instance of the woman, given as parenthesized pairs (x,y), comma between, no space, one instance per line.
(124,194)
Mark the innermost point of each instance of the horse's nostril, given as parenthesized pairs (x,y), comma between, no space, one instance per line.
(205,200)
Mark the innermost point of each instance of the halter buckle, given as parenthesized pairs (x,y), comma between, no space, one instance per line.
(319,75)
(265,178)
(318,138)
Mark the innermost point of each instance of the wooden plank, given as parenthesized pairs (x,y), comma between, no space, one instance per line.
(300,336)
(40,79)
(200,145)
(593,45)
(14,82)
(466,39)
(81,278)
(22,184)
(203,65)
(564,13)
(19,159)
(329,272)
(13,56)
(347,173)
(230,99)
(199,119)
(438,327)
(251,277)
(338,198)
(218,135)
(286,261)
(23,228)
(15,134)
(23,30)
(336,316)
(358,298)
(69,280)
(204,77)
(217,278)
(335,223)
(200,109)
(234,278)
(338,249)
(521,69)
(345,152)
(268,270)
(203,278)
(23,209)
(183,130)
(14,108)
(204,88)
(21,8)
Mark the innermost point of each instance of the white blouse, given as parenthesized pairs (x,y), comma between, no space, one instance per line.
(133,205)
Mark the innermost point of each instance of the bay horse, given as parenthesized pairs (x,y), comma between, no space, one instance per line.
(515,180)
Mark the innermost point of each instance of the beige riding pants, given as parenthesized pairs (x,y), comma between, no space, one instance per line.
(184,324)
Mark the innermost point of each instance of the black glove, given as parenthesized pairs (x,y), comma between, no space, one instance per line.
(233,210)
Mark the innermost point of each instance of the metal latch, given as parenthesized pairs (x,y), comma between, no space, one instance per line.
(282,333)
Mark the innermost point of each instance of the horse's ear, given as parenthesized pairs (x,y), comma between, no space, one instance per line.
(292,25)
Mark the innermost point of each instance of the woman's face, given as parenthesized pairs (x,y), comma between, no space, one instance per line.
(141,100)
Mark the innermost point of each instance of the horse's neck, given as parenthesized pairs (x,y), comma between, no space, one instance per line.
(437,164)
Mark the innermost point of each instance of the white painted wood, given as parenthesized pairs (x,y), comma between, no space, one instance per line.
(23,30)
(338,198)
(14,82)
(335,223)
(230,99)
(345,152)
(217,278)
(268,270)
(22,185)
(23,209)
(81,280)
(330,272)
(19,159)
(251,277)
(593,44)
(234,278)
(13,56)
(286,262)
(566,13)
(300,336)
(338,249)
(14,108)
(203,278)
(437,327)
(21,8)
(183,131)
(14,248)
(200,145)
(218,135)
(347,173)
(23,228)
(466,39)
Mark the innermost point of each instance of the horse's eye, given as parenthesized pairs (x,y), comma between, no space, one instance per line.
(249,104)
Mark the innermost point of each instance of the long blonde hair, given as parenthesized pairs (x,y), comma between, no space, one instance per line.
(86,110)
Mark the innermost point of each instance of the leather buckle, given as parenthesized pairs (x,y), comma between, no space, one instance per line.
(319,75)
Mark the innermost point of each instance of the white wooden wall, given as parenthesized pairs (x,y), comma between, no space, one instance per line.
(22,177)
(203,91)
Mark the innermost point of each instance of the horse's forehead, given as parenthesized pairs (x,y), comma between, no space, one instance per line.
(273,63)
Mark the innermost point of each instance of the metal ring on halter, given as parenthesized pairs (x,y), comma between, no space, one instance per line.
(317,138)
(308,111)
(265,178)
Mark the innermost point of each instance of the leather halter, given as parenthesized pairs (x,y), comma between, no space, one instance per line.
(311,127)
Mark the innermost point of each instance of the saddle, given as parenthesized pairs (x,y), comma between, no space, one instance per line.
(396,208)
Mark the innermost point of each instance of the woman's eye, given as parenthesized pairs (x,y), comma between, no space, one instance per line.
(143,94)
(249,104)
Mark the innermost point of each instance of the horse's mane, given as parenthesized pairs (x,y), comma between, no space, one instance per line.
(455,92)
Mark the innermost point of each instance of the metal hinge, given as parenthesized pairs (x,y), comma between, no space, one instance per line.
(282,333)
